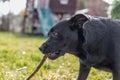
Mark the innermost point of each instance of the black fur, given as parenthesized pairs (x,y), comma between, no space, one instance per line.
(94,40)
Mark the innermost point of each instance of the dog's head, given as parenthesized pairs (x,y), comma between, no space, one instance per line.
(63,37)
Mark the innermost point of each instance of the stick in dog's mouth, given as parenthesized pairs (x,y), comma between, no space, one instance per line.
(37,68)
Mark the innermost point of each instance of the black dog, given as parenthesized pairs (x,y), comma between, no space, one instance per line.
(94,40)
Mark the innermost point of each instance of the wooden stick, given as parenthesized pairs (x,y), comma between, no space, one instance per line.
(37,68)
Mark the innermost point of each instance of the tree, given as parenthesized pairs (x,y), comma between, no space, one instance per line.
(5,20)
(115,13)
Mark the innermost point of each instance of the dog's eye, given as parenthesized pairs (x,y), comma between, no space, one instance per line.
(54,34)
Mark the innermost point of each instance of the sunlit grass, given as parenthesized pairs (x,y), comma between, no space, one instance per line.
(19,56)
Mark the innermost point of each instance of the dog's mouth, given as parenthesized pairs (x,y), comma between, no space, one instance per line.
(55,55)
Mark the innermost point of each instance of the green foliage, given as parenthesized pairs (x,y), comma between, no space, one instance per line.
(19,56)
(115,13)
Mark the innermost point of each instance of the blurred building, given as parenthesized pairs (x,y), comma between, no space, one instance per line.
(96,7)
(63,6)
(32,21)
(36,18)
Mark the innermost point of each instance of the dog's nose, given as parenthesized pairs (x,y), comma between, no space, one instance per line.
(42,47)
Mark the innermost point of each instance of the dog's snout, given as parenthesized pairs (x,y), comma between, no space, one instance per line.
(42,47)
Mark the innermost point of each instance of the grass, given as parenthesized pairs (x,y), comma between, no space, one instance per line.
(19,55)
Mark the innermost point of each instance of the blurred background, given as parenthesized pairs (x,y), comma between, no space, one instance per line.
(37,16)
(24,25)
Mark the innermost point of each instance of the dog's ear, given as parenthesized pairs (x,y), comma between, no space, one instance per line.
(78,20)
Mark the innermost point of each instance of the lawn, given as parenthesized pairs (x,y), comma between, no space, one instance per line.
(19,55)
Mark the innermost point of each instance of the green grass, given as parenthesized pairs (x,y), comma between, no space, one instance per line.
(19,55)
